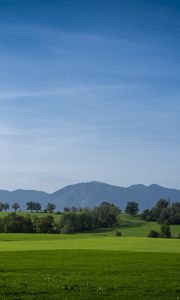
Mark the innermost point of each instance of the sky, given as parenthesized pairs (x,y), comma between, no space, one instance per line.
(89,90)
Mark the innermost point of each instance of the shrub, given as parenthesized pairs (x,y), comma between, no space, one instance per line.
(153,234)
(165,231)
(118,232)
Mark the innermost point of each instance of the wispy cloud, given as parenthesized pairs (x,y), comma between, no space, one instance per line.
(67,89)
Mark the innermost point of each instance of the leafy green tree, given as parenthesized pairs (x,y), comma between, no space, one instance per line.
(44,224)
(162,203)
(106,214)
(37,206)
(86,220)
(14,223)
(17,223)
(33,206)
(165,216)
(132,208)
(158,208)
(145,214)
(50,207)
(28,226)
(68,223)
(163,212)
(15,206)
(30,206)
(6,206)
(165,231)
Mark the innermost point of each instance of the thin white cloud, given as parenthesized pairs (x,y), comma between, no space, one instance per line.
(65,90)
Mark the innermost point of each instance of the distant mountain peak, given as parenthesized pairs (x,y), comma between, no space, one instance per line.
(96,182)
(154,185)
(90,194)
(138,185)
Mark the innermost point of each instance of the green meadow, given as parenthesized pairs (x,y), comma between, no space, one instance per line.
(88,274)
(94,265)
(31,242)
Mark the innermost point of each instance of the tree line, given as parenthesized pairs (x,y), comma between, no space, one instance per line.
(83,219)
(30,206)
(15,223)
(104,215)
(164,212)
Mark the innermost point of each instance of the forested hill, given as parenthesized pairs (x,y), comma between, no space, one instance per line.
(93,193)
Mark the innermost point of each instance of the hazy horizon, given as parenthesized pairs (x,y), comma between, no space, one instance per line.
(88,182)
(89,90)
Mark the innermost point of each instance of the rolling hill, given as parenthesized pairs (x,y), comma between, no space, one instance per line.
(93,193)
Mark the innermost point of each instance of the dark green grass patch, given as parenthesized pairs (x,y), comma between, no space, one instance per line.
(84,274)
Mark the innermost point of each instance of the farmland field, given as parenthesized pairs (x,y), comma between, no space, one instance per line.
(26,242)
(85,274)
(96,265)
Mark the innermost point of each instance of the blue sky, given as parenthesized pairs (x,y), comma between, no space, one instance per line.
(89,90)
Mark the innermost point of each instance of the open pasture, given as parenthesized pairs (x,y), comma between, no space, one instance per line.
(25,242)
(86,275)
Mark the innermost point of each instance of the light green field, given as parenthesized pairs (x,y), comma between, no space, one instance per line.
(134,226)
(24,242)
(134,238)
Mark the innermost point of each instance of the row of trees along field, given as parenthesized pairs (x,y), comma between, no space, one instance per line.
(131,208)
(104,215)
(30,206)
(83,219)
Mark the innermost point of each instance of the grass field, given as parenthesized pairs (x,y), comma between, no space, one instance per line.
(85,274)
(25,242)
(134,226)
(96,265)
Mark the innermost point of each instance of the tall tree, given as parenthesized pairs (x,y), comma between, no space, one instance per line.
(15,206)
(37,206)
(132,208)
(50,207)
(6,206)
(165,231)
(30,206)
(106,214)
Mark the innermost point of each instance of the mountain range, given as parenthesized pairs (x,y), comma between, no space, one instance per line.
(93,193)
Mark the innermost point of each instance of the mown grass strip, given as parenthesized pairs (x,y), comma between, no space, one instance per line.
(133,244)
